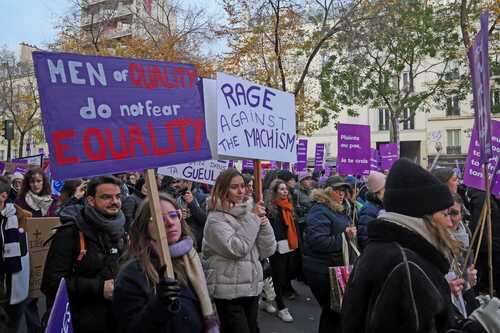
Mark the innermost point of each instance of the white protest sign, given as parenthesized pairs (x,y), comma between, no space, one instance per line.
(254,121)
(202,171)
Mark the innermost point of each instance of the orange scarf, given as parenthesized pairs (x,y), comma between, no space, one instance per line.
(287,213)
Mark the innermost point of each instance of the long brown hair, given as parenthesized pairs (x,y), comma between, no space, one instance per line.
(220,192)
(273,196)
(140,242)
(26,182)
(443,236)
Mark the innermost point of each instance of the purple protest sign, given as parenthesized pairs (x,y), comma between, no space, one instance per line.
(374,160)
(473,171)
(247,164)
(319,157)
(301,164)
(353,149)
(107,114)
(231,164)
(480,74)
(285,165)
(60,317)
(274,165)
(388,155)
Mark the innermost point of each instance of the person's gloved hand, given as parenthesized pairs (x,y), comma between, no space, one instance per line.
(168,291)
(488,314)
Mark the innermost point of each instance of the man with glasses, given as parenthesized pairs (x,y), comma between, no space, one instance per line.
(85,251)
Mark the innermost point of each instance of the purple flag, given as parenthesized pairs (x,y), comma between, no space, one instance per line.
(473,171)
(375,160)
(480,75)
(353,149)
(388,155)
(107,114)
(319,157)
(60,317)
(301,164)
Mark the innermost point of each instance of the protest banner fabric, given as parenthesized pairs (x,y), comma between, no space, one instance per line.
(247,164)
(388,155)
(353,149)
(374,160)
(60,320)
(301,164)
(39,231)
(473,171)
(480,75)
(319,157)
(254,121)
(98,111)
(285,165)
(205,172)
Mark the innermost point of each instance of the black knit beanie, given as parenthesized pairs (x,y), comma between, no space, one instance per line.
(411,190)
(443,174)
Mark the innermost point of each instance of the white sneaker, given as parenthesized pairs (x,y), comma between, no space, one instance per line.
(266,306)
(285,315)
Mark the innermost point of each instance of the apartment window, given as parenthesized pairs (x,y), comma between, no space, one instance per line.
(407,82)
(495,101)
(453,142)
(408,119)
(452,106)
(328,149)
(452,71)
(2,155)
(383,119)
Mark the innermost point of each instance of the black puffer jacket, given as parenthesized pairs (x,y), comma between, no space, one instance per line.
(386,295)
(85,278)
(136,308)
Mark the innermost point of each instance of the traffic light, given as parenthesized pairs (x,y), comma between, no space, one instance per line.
(8,126)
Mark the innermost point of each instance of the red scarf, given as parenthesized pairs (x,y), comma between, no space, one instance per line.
(287,213)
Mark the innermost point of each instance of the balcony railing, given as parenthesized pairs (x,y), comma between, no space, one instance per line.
(451,150)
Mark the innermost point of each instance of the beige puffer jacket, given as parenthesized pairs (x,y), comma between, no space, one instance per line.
(233,243)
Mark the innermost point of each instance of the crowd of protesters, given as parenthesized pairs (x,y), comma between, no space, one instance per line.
(234,254)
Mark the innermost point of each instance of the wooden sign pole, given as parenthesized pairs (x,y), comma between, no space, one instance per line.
(487,186)
(257,180)
(160,232)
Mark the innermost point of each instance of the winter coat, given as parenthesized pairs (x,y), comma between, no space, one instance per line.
(137,309)
(302,203)
(233,244)
(196,220)
(477,199)
(130,206)
(84,278)
(367,215)
(325,224)
(279,227)
(384,294)
(21,202)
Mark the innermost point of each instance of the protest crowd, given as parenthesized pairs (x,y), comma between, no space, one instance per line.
(407,232)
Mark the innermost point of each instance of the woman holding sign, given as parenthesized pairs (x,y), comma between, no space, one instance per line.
(237,235)
(144,300)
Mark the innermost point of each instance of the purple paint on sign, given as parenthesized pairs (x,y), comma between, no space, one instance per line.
(319,157)
(247,164)
(60,319)
(480,74)
(388,155)
(375,160)
(301,164)
(107,114)
(353,149)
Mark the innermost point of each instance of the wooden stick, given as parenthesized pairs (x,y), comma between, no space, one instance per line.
(160,235)
(488,219)
(257,180)
(474,237)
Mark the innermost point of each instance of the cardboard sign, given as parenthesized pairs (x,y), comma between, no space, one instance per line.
(353,149)
(60,320)
(480,75)
(39,231)
(106,115)
(254,121)
(205,172)
(474,170)
(388,155)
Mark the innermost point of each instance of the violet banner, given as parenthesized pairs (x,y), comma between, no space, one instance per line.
(353,149)
(60,319)
(388,155)
(247,164)
(301,164)
(285,166)
(107,114)
(480,75)
(374,160)
(473,170)
(319,157)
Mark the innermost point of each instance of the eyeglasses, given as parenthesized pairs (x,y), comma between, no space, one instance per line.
(173,215)
(454,212)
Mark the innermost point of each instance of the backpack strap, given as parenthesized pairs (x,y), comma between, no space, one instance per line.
(83,248)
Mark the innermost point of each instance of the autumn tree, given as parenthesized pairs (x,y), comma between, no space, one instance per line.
(19,100)
(400,61)
(280,42)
